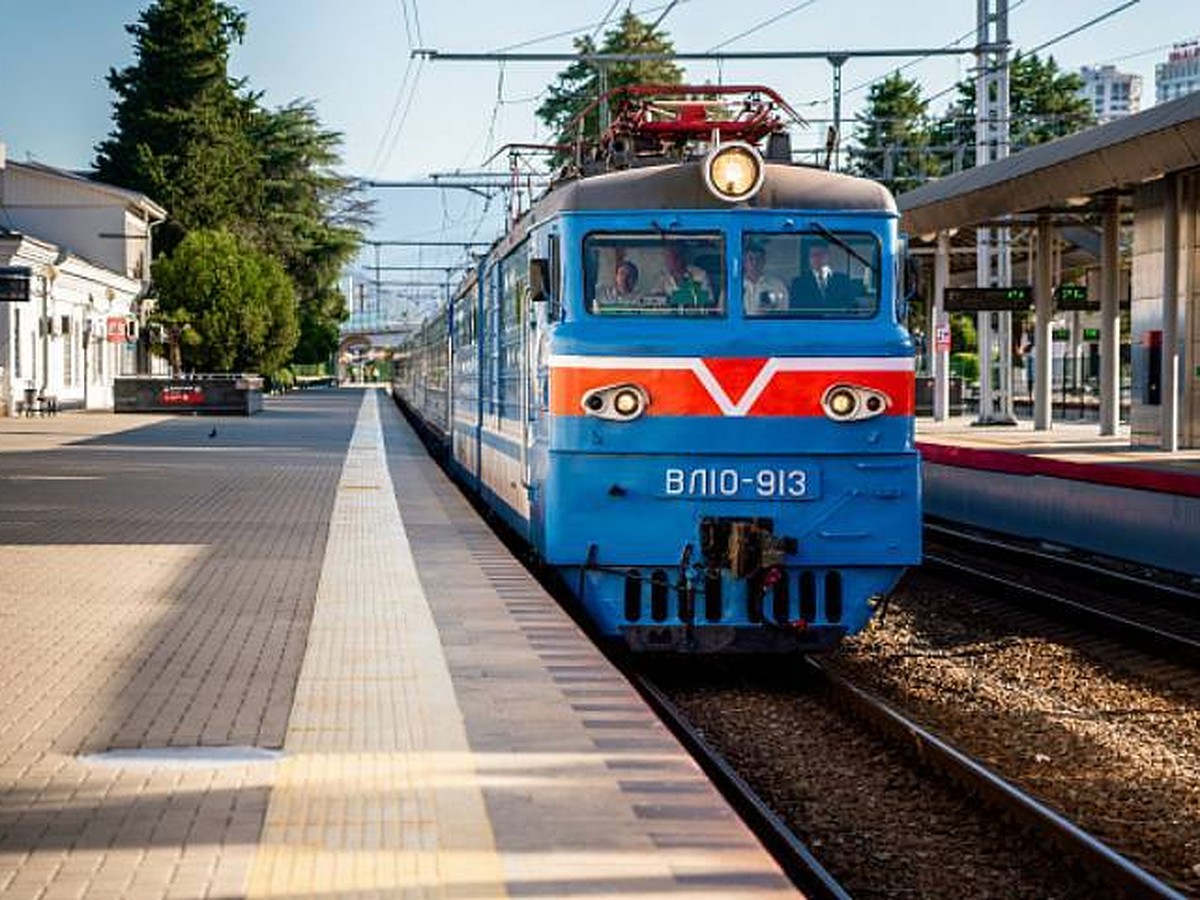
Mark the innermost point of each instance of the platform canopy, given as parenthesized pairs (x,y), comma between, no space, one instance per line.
(1112,157)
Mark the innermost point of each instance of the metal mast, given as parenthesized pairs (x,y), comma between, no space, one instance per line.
(993,251)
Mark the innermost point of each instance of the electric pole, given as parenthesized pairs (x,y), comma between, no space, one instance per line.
(993,252)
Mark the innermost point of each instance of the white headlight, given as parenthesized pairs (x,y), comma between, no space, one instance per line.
(734,171)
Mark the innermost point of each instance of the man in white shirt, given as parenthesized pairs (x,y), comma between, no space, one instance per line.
(762,294)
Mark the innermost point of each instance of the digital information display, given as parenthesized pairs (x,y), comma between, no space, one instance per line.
(1017,298)
(1074,298)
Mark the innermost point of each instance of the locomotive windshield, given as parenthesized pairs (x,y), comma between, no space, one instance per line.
(810,275)
(655,274)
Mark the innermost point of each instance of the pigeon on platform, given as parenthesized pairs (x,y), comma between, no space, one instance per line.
(213,433)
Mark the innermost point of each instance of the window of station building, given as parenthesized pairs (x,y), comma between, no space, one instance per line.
(654,274)
(810,275)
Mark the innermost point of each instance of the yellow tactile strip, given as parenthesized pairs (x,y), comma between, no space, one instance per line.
(378,791)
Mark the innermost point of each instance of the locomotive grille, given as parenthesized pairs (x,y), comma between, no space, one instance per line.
(813,596)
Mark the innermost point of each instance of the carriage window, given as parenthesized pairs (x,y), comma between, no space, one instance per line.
(654,274)
(811,275)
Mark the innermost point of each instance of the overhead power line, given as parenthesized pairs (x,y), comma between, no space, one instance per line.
(1088,24)
(763,24)
(608,15)
(570,32)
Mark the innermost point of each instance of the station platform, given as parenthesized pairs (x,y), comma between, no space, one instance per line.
(1068,486)
(283,657)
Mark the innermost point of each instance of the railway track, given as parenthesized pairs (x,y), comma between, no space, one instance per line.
(1162,619)
(1103,866)
(793,855)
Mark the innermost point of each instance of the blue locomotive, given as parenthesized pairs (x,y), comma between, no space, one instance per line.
(686,383)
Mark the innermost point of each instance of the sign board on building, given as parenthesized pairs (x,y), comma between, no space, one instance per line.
(1061,334)
(1074,298)
(115,329)
(14,284)
(1091,334)
(1017,298)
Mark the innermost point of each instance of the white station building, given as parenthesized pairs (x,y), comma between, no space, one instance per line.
(74,269)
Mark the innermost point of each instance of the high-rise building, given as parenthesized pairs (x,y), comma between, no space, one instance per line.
(1112,94)
(1180,74)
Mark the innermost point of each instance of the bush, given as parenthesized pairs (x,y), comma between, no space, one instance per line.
(281,380)
(965,366)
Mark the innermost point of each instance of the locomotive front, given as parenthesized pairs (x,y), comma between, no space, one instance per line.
(730,461)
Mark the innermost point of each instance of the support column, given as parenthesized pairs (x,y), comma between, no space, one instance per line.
(940,359)
(1110,318)
(1043,346)
(1170,315)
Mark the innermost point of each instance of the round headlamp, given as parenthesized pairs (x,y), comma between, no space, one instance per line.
(841,403)
(734,171)
(627,402)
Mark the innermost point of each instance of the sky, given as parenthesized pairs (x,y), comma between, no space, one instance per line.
(401,119)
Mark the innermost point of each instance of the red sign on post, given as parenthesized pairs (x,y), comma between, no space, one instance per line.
(116,329)
(942,337)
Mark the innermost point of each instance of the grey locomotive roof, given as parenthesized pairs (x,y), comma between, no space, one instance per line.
(681,186)
(1162,139)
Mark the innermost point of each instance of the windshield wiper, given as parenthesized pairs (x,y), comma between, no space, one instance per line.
(829,235)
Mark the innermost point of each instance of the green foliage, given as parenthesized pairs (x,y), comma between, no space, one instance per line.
(892,136)
(963,337)
(965,366)
(579,84)
(239,303)
(1045,104)
(180,133)
(307,215)
(195,140)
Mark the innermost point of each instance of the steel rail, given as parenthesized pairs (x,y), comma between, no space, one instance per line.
(796,860)
(1167,644)
(1097,858)
(1167,594)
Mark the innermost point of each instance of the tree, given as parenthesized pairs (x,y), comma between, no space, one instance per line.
(181,132)
(199,142)
(579,84)
(307,215)
(892,136)
(237,303)
(1044,104)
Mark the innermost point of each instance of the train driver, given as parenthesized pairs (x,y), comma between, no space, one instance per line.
(762,294)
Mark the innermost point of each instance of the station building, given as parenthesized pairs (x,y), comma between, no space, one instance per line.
(74,274)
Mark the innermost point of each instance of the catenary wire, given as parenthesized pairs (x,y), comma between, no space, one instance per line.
(761,25)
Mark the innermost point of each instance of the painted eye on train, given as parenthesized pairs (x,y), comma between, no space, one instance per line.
(617,402)
(852,403)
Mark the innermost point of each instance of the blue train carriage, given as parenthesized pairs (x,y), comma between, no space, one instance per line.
(704,418)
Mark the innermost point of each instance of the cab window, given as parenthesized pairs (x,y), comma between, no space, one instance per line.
(820,274)
(654,274)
